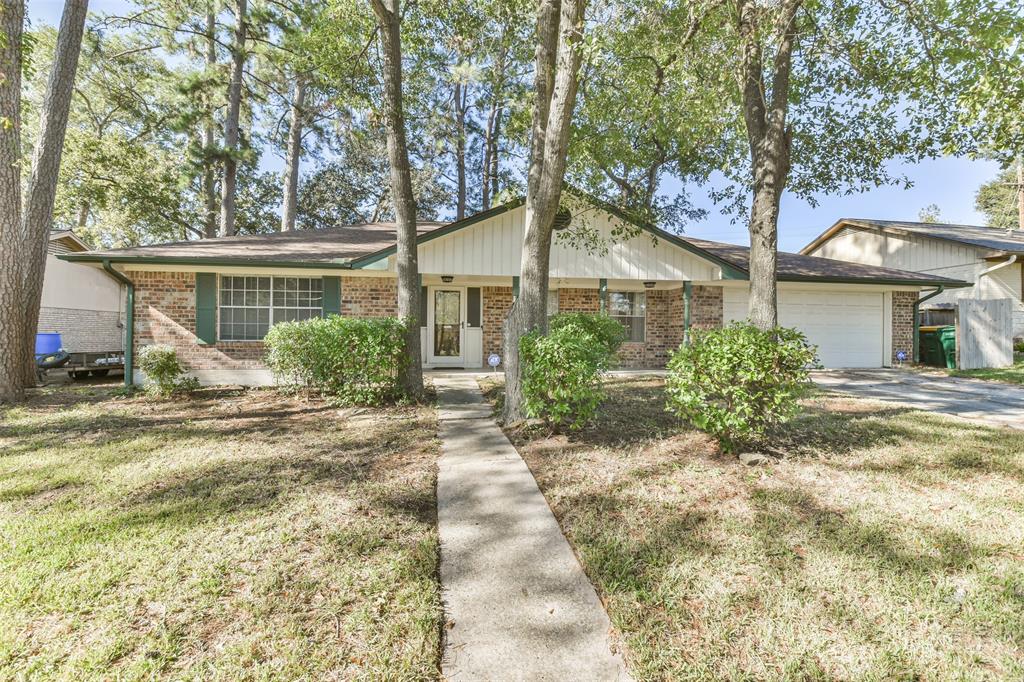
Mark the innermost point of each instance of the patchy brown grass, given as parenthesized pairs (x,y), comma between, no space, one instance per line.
(885,544)
(236,535)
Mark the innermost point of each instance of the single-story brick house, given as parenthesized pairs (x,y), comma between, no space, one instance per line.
(215,299)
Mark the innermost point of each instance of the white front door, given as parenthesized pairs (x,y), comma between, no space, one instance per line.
(446,325)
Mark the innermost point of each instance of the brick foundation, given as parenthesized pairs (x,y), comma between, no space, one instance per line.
(903,322)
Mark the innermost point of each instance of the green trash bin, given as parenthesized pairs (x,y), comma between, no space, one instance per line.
(930,347)
(947,337)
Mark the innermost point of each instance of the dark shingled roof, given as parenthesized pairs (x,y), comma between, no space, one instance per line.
(331,245)
(794,267)
(369,242)
(996,240)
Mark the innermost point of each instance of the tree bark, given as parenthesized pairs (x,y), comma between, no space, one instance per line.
(406,260)
(558,56)
(769,136)
(13,352)
(460,150)
(294,156)
(209,134)
(228,182)
(489,184)
(42,183)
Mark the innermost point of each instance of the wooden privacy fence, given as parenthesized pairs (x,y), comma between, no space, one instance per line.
(985,333)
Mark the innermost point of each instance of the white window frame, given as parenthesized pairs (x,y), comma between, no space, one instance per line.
(272,309)
(640,298)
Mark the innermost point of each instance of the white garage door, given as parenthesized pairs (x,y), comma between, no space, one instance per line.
(845,326)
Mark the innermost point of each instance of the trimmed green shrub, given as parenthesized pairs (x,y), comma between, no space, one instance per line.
(608,332)
(160,365)
(349,361)
(736,382)
(561,372)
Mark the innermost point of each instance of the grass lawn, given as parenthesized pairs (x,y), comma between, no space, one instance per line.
(1013,375)
(886,544)
(237,535)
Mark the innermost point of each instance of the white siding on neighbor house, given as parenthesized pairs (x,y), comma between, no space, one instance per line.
(934,256)
(494,247)
(83,304)
(903,252)
(848,327)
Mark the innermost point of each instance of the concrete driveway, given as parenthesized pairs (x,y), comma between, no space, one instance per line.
(989,402)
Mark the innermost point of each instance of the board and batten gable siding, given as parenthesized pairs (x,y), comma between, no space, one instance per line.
(494,247)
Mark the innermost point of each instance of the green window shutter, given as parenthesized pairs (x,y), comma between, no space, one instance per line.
(473,306)
(332,296)
(515,287)
(423,306)
(206,307)
(602,292)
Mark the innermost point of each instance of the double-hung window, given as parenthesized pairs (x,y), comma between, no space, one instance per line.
(630,309)
(250,305)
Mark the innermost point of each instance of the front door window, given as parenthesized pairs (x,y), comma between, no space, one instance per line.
(447,323)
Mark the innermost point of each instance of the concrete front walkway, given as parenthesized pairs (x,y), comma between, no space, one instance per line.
(988,402)
(517,604)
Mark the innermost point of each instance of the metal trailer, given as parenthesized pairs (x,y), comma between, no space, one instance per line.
(84,365)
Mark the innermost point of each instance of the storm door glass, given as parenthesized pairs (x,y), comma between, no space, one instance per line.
(447,323)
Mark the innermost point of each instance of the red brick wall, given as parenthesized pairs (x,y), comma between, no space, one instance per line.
(707,309)
(165,313)
(579,301)
(665,321)
(903,322)
(369,297)
(496,303)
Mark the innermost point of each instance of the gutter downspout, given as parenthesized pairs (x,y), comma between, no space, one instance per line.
(129,342)
(917,321)
(1009,261)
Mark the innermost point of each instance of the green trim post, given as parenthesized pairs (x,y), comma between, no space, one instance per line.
(602,293)
(917,322)
(515,287)
(687,307)
(129,323)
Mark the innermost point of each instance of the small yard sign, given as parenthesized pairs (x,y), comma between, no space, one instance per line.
(494,360)
(901,356)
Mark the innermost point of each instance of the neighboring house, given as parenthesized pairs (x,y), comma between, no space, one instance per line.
(989,258)
(79,302)
(215,299)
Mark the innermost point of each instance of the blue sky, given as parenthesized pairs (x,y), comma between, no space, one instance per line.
(950,183)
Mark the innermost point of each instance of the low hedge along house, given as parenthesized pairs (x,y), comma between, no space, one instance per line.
(215,299)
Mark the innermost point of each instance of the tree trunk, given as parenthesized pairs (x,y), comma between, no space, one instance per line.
(13,352)
(769,136)
(401,191)
(558,55)
(227,185)
(460,150)
(42,183)
(294,155)
(209,169)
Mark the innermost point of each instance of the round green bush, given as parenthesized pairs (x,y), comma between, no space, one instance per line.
(562,372)
(608,332)
(736,382)
(160,365)
(349,361)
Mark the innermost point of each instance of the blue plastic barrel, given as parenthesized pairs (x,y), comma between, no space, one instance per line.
(47,344)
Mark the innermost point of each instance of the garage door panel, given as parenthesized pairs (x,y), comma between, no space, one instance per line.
(846,327)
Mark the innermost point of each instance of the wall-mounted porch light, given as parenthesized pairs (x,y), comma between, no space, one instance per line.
(649,285)
(447,279)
